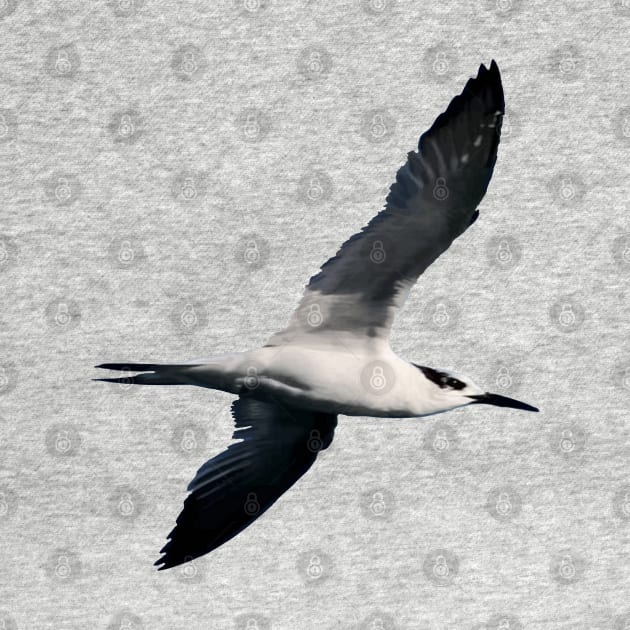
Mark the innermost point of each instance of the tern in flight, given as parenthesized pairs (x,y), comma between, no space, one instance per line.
(334,356)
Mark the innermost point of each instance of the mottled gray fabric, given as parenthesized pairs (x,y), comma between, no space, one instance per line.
(173,173)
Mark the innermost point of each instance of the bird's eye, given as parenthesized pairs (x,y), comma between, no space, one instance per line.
(453,382)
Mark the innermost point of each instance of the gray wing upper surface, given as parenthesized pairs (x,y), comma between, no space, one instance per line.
(433,201)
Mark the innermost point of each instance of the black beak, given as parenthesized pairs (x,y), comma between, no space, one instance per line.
(501,401)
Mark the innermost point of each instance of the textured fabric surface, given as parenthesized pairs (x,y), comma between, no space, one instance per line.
(171,174)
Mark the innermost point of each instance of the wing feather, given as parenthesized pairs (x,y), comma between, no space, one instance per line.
(433,201)
(230,491)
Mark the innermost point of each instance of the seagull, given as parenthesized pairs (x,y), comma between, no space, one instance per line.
(334,356)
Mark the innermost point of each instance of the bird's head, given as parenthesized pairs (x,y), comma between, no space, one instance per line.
(450,390)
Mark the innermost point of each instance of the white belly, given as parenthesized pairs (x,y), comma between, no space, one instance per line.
(345,382)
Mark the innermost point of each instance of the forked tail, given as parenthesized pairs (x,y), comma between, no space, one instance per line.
(153,373)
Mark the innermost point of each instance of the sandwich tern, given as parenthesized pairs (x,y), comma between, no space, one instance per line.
(334,356)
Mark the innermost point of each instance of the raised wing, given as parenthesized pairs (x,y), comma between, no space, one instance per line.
(230,491)
(433,200)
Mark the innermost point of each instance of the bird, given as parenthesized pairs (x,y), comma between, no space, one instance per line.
(334,357)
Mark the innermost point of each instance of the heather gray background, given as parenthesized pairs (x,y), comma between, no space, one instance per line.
(170,177)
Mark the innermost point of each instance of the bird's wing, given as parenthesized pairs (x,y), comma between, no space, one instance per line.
(432,202)
(230,491)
